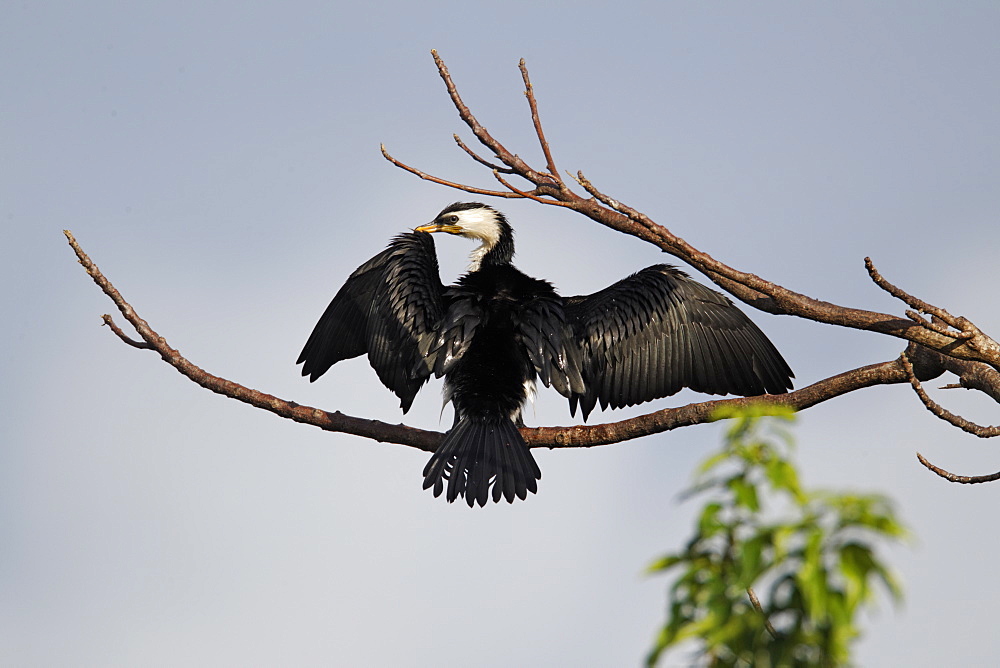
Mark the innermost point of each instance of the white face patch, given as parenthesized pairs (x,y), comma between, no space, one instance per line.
(479,224)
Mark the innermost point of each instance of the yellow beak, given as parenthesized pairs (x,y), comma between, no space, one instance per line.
(438,227)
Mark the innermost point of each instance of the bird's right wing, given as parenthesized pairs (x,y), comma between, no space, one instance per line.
(657,331)
(391,308)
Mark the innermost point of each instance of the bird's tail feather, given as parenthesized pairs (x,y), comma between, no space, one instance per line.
(479,454)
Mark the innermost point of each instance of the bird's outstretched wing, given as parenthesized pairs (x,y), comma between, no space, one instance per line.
(391,307)
(657,331)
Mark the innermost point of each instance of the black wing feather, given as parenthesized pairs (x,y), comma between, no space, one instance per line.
(544,333)
(391,307)
(458,326)
(657,331)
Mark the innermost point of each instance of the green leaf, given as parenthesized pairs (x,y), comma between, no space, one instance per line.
(664,563)
(750,560)
(783,476)
(812,578)
(709,523)
(856,563)
(745,494)
(889,580)
(712,462)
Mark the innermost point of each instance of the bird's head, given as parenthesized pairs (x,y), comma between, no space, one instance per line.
(474,220)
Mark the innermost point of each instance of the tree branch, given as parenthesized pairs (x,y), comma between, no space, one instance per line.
(962,479)
(550,437)
(336,421)
(756,605)
(940,411)
(529,93)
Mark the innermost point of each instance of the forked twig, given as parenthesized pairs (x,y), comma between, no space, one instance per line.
(373,429)
(451,184)
(960,324)
(475,156)
(485,138)
(528,194)
(142,345)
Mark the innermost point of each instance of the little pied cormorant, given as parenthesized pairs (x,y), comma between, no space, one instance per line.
(496,331)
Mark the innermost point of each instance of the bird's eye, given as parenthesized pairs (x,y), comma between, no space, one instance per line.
(453,218)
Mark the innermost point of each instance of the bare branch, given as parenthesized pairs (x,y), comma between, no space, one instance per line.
(529,195)
(477,158)
(756,604)
(484,137)
(918,304)
(883,373)
(940,411)
(122,335)
(951,477)
(529,92)
(450,184)
(373,429)
(975,376)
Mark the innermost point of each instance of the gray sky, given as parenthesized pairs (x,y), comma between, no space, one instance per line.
(220,164)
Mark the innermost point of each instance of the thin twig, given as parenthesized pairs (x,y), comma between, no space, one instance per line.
(756,604)
(379,431)
(625,210)
(597,194)
(935,324)
(482,161)
(485,138)
(529,195)
(962,479)
(122,335)
(942,412)
(451,184)
(917,303)
(529,92)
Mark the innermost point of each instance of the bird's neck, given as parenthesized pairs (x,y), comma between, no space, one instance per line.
(493,255)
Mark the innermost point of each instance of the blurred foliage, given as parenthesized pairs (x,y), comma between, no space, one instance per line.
(809,556)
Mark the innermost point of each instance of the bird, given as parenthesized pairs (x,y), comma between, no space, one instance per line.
(496,331)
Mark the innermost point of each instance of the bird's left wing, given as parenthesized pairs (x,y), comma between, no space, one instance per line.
(391,308)
(657,331)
